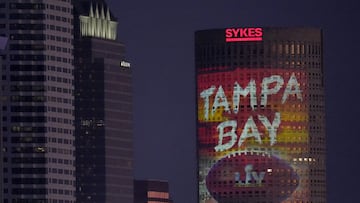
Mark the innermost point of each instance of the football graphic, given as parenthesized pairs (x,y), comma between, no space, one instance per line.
(245,177)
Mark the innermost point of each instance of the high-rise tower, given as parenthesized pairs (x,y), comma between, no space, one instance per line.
(37,107)
(103,95)
(260,115)
(3,42)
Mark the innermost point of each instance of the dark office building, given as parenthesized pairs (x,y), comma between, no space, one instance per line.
(3,42)
(37,103)
(103,103)
(151,191)
(260,115)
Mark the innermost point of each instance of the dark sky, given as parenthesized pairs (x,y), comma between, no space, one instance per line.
(159,36)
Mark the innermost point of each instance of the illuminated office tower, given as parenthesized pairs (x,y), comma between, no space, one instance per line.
(103,103)
(37,104)
(151,191)
(260,115)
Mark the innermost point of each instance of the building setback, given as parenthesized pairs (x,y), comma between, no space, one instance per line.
(260,115)
(37,109)
(103,103)
(151,191)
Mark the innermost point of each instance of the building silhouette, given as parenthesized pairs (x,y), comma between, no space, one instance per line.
(151,191)
(260,115)
(37,104)
(103,108)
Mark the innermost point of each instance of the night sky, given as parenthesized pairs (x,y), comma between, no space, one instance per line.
(159,36)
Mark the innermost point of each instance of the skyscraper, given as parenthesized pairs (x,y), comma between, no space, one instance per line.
(103,103)
(3,42)
(37,109)
(260,115)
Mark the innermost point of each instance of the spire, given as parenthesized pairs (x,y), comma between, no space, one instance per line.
(108,14)
(91,12)
(102,12)
(97,11)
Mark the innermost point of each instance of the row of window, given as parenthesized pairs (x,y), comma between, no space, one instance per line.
(60,130)
(36,6)
(60,110)
(39,88)
(32,140)
(39,99)
(27,47)
(27,26)
(60,100)
(27,16)
(28,129)
(33,6)
(272,48)
(39,149)
(60,120)
(60,69)
(33,37)
(27,67)
(28,139)
(27,119)
(37,201)
(28,98)
(39,57)
(27,108)
(35,16)
(39,160)
(28,160)
(60,18)
(59,79)
(28,78)
(38,37)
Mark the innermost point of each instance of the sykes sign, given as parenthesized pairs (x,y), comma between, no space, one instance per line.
(243,34)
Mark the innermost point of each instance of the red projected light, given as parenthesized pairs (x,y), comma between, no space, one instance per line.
(243,34)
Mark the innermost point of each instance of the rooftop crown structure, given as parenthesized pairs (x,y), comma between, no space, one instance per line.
(98,23)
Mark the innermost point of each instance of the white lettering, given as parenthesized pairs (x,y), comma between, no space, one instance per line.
(125,64)
(249,176)
(250,130)
(220,100)
(265,87)
(272,128)
(232,134)
(292,87)
(251,88)
(206,96)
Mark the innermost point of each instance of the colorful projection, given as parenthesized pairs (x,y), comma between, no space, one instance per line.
(252,130)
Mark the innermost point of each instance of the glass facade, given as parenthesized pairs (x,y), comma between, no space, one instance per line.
(37,109)
(260,115)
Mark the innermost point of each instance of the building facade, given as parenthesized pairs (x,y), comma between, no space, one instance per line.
(103,103)
(260,115)
(37,106)
(151,191)
(3,42)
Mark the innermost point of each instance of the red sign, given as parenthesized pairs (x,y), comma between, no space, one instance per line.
(243,34)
